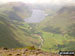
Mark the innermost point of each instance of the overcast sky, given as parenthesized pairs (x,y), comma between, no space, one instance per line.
(58,2)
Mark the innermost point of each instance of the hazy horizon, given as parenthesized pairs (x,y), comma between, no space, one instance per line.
(54,2)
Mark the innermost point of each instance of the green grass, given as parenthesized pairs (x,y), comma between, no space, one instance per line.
(14,33)
(51,42)
(59,20)
(58,30)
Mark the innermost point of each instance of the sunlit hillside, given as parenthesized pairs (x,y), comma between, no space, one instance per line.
(59,30)
(14,32)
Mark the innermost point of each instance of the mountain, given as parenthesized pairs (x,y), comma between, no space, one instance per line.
(58,30)
(40,11)
(63,18)
(15,10)
(14,32)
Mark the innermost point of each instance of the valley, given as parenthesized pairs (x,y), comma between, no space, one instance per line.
(36,17)
(48,28)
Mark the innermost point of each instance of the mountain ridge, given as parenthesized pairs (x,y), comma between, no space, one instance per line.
(14,31)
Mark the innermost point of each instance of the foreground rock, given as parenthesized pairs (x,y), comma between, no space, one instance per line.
(24,52)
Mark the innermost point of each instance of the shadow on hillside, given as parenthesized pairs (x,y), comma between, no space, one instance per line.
(71,30)
(7,38)
(52,30)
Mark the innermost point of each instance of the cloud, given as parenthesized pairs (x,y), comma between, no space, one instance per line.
(63,2)
(57,2)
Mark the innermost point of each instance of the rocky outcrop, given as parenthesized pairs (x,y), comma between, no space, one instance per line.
(25,52)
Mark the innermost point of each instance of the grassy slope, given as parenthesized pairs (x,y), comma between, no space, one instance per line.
(62,20)
(14,32)
(15,8)
(15,35)
(56,42)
